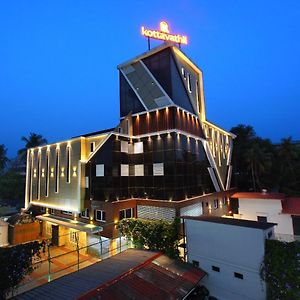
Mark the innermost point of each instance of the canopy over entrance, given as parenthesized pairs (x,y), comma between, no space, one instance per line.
(89,228)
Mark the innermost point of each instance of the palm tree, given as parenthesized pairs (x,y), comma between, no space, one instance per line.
(259,162)
(3,158)
(34,140)
(288,161)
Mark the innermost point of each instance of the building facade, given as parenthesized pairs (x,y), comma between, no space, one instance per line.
(163,159)
(271,207)
(230,251)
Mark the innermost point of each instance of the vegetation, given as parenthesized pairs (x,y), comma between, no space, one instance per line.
(3,158)
(15,263)
(34,140)
(153,235)
(12,181)
(281,270)
(258,164)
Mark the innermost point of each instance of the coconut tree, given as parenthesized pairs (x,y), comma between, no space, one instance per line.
(288,163)
(3,158)
(259,162)
(34,140)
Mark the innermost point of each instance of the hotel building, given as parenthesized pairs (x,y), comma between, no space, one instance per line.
(164,159)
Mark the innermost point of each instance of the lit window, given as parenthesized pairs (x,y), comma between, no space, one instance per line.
(138,147)
(124,170)
(85,213)
(238,275)
(189,83)
(126,213)
(216,204)
(183,72)
(92,146)
(100,215)
(158,169)
(139,170)
(124,146)
(99,170)
(86,182)
(74,236)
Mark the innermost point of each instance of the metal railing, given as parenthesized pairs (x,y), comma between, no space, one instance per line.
(57,261)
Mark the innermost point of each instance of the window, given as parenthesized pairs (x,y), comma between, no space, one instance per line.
(124,170)
(216,269)
(48,228)
(126,213)
(216,204)
(189,83)
(100,215)
(85,214)
(74,236)
(52,211)
(57,171)
(86,182)
(195,263)
(92,146)
(138,147)
(66,212)
(238,275)
(270,234)
(68,165)
(99,170)
(158,169)
(124,146)
(262,219)
(120,129)
(127,126)
(183,72)
(197,96)
(139,170)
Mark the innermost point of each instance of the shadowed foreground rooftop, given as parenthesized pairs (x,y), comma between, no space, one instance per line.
(133,274)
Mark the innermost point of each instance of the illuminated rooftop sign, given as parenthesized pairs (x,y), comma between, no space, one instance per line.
(164,34)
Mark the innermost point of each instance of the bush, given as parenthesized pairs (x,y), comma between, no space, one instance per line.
(15,264)
(153,235)
(281,270)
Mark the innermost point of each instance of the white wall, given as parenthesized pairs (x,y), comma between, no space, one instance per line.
(249,209)
(232,249)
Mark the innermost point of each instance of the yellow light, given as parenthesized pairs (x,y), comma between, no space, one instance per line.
(164,27)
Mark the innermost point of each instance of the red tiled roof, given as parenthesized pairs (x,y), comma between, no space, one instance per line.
(161,278)
(253,195)
(291,206)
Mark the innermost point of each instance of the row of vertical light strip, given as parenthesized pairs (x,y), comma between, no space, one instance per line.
(54,172)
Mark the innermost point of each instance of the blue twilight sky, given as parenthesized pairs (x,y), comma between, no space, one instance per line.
(58,61)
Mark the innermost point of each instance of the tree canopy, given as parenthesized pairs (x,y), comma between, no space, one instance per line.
(259,164)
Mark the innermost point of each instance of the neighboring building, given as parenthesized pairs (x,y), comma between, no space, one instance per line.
(271,207)
(163,160)
(230,251)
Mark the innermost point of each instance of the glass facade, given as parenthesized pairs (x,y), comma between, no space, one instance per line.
(184,169)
